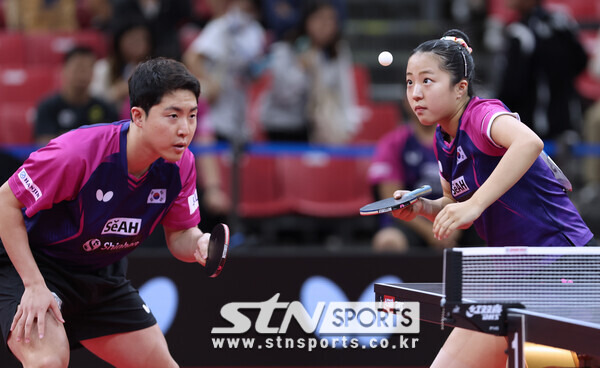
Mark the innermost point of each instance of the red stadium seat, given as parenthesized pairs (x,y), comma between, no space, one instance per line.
(381,119)
(49,48)
(580,10)
(587,84)
(28,84)
(323,186)
(261,191)
(498,10)
(12,45)
(16,123)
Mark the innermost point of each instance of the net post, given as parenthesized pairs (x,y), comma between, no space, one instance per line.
(453,276)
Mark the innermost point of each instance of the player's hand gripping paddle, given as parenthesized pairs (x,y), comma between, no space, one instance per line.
(390,204)
(217,250)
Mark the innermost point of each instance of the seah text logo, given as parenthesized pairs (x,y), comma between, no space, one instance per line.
(335,317)
(122,226)
(29,184)
(488,312)
(459,186)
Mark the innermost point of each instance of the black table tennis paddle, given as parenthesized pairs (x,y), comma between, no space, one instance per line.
(218,245)
(391,204)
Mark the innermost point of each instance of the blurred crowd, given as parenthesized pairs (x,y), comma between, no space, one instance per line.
(284,71)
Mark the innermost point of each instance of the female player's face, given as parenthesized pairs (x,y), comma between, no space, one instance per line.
(428,89)
(170,125)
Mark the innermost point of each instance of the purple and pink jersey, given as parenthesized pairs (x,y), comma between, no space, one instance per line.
(83,208)
(536,211)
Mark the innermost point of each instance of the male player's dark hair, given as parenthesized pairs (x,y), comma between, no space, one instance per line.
(157,77)
(77,51)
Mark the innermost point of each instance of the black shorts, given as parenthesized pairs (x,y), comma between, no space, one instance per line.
(94,304)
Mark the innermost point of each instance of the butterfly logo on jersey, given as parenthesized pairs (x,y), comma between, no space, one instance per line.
(157,196)
(104,197)
(460,155)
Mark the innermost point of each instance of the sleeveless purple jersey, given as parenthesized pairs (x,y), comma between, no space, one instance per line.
(84,210)
(536,211)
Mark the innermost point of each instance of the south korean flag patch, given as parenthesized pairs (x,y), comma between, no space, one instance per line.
(157,196)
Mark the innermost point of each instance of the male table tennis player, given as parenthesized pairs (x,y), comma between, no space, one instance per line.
(78,206)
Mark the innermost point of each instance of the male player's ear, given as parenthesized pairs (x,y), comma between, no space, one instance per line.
(137,115)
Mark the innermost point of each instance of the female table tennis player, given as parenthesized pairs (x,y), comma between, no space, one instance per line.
(492,172)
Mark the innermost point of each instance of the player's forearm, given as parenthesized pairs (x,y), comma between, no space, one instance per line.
(14,238)
(183,243)
(431,207)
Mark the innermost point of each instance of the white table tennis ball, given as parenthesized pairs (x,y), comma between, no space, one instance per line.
(385,58)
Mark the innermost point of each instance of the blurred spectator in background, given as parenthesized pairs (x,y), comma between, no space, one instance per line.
(97,14)
(312,96)
(215,204)
(404,159)
(283,16)
(41,15)
(542,58)
(222,57)
(73,105)
(130,45)
(164,17)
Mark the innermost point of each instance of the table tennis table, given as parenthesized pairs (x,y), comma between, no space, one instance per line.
(576,330)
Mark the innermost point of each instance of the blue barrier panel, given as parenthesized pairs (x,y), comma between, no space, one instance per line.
(342,151)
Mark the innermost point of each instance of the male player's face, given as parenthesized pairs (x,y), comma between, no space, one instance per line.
(428,89)
(170,125)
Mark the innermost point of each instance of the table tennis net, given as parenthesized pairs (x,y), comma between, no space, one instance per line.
(544,279)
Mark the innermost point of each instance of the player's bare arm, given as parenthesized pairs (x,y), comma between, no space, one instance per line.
(189,245)
(523,147)
(37,299)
